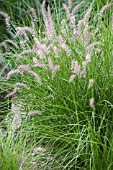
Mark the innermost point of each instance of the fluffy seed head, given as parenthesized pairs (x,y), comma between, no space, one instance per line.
(104,8)
(88,58)
(35,75)
(50,63)
(76,68)
(91,103)
(7,19)
(91,82)
(38,150)
(55,68)
(33,12)
(34,112)
(71,79)
(13,92)
(77,7)
(14,71)
(83,73)
(21,85)
(66,10)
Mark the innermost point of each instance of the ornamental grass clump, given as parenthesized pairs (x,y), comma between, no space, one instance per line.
(64,78)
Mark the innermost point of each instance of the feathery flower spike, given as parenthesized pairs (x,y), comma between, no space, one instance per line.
(35,112)
(38,150)
(35,75)
(55,68)
(104,8)
(91,82)
(7,19)
(71,79)
(91,103)
(13,92)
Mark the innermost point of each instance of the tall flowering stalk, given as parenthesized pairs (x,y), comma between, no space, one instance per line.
(21,69)
(91,82)
(37,64)
(34,14)
(75,67)
(4,43)
(71,13)
(16,89)
(21,85)
(78,6)
(17,120)
(91,103)
(56,51)
(14,71)
(63,45)
(50,63)
(42,47)
(34,112)
(86,16)
(7,19)
(47,17)
(66,10)
(22,31)
(50,20)
(72,18)
(35,75)
(38,52)
(86,35)
(104,8)
(69,4)
(53,68)
(92,45)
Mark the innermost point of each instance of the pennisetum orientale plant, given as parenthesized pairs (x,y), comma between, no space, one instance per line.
(62,79)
